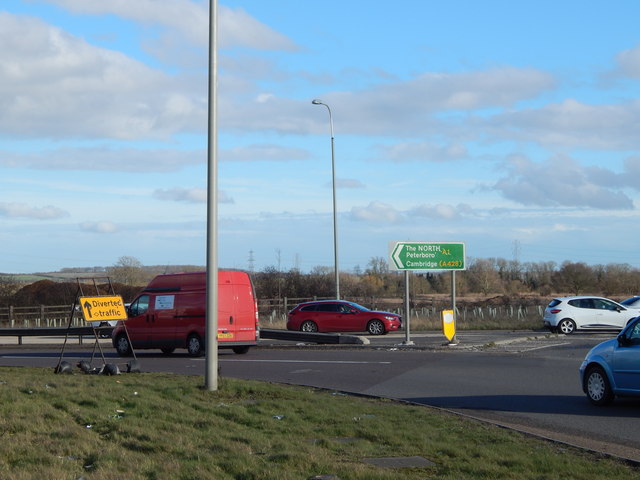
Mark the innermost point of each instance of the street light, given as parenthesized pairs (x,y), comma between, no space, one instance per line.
(335,217)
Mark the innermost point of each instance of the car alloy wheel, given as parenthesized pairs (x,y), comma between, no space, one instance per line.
(375,327)
(309,326)
(598,389)
(566,326)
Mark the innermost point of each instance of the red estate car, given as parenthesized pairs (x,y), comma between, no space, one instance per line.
(341,316)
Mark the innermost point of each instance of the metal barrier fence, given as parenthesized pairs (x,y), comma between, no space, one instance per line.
(38,316)
(273,311)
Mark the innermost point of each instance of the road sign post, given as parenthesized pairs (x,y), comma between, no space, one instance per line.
(427,256)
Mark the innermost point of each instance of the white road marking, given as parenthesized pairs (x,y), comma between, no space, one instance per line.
(547,346)
(330,362)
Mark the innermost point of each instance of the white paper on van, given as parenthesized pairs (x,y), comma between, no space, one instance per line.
(164,302)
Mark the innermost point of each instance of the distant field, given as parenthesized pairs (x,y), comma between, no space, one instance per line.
(34,277)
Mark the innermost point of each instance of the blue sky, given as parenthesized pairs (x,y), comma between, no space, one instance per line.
(513,127)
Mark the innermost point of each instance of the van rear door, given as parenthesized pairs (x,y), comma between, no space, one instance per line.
(226,327)
(245,310)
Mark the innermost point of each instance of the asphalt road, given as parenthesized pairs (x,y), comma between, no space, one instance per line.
(521,380)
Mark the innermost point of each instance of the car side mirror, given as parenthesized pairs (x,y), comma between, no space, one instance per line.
(623,341)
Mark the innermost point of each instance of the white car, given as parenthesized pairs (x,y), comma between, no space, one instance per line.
(568,314)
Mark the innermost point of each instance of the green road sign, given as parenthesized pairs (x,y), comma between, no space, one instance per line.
(426,256)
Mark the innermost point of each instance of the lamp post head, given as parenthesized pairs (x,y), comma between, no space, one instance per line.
(316,102)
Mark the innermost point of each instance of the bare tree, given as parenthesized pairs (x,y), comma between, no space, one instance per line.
(483,277)
(575,278)
(8,286)
(128,270)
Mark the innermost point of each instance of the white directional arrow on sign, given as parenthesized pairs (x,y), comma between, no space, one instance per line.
(396,255)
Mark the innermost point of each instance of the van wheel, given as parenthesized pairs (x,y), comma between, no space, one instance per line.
(167,350)
(240,350)
(123,347)
(194,346)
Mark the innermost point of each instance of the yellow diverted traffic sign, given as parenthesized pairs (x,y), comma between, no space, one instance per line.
(103,308)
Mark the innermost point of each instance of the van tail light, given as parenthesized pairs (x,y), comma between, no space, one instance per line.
(255,306)
(556,310)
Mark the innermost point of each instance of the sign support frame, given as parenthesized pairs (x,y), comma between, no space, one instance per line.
(74,309)
(429,256)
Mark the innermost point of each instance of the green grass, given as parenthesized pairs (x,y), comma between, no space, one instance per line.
(162,426)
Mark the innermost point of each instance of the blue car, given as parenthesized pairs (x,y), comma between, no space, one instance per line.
(613,367)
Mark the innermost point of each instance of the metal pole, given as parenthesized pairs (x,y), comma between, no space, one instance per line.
(211,343)
(335,211)
(454,340)
(407,311)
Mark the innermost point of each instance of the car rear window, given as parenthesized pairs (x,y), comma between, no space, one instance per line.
(554,302)
(309,308)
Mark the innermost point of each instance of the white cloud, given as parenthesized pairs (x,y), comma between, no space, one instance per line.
(57,85)
(349,183)
(190,19)
(561,227)
(106,159)
(99,227)
(559,181)
(629,62)
(462,91)
(238,28)
(442,211)
(421,151)
(189,195)
(401,108)
(377,212)
(570,123)
(20,210)
(263,152)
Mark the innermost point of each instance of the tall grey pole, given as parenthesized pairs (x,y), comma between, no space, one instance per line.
(454,340)
(335,211)
(407,311)
(211,343)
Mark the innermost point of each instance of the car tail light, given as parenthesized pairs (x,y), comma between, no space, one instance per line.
(555,310)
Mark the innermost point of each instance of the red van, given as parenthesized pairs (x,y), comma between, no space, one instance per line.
(170,313)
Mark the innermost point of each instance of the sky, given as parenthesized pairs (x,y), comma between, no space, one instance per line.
(513,127)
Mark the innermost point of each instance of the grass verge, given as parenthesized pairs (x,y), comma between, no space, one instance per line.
(163,426)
